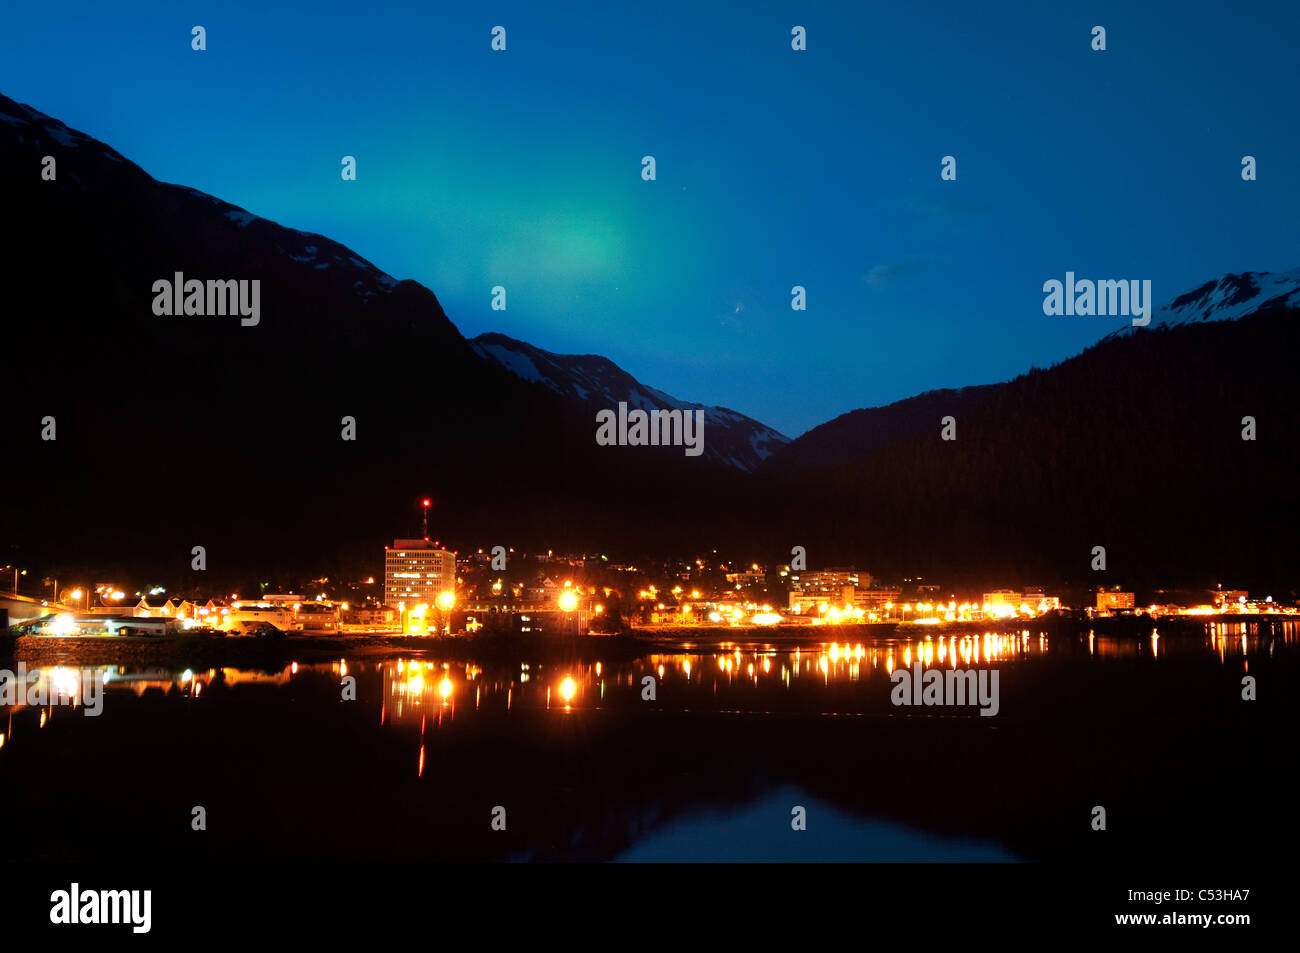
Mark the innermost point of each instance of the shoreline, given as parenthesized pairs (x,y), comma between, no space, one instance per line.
(208,652)
(1119,626)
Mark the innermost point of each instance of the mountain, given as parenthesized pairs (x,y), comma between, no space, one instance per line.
(598,383)
(1232,296)
(859,433)
(176,430)
(1136,445)
(1226,299)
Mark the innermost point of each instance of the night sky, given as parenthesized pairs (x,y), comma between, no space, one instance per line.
(775,168)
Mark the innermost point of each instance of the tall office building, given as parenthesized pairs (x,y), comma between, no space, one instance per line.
(1114,600)
(415,572)
(827,582)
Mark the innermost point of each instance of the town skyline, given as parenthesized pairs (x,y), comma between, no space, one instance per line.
(687,591)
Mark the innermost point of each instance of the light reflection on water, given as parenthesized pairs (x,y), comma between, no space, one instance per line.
(734,677)
(64,685)
(695,676)
(62,690)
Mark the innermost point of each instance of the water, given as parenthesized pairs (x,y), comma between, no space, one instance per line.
(735,739)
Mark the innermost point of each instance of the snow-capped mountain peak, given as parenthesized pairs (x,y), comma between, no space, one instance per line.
(1233,296)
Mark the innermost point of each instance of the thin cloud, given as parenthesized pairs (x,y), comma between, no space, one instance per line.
(882,276)
(946,205)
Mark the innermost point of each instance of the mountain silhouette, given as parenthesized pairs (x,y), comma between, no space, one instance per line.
(1135,445)
(182,430)
(596,383)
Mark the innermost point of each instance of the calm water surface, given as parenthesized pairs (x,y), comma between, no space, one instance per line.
(736,738)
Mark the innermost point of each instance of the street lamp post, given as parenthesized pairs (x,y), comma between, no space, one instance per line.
(17,573)
(445,602)
(568,602)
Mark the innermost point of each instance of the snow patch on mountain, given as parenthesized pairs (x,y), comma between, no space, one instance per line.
(513,361)
(730,438)
(1233,296)
(1225,299)
(60,132)
(307,249)
(1228,298)
(65,136)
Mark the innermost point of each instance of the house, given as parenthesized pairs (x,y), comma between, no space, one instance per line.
(167,608)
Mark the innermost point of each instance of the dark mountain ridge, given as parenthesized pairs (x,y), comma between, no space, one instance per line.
(861,432)
(176,431)
(1135,445)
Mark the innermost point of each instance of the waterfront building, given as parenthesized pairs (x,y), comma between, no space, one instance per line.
(1107,600)
(871,600)
(416,572)
(1004,597)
